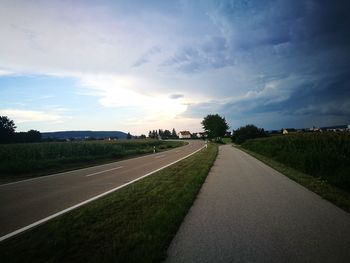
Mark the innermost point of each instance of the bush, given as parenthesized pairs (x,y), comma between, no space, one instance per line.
(247,132)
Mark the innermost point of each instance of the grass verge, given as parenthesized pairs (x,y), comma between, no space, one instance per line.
(337,196)
(134,224)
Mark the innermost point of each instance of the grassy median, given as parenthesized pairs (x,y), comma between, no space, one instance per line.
(134,224)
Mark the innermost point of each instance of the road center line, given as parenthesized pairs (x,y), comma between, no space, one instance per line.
(119,167)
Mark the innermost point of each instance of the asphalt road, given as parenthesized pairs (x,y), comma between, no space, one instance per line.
(248,212)
(23,203)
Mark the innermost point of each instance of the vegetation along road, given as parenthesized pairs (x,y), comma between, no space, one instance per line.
(29,202)
(249,212)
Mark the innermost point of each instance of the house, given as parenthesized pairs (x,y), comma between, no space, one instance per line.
(184,135)
(288,130)
(315,129)
(198,135)
(336,128)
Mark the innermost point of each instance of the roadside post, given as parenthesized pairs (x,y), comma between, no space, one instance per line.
(154,149)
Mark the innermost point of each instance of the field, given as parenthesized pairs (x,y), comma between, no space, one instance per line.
(19,161)
(134,224)
(325,156)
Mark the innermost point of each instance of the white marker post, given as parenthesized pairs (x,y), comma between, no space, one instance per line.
(154,149)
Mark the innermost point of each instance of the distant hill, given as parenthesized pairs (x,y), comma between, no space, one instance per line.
(84,134)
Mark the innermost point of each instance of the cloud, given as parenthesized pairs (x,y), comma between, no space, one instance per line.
(275,59)
(212,53)
(122,92)
(176,96)
(295,100)
(332,108)
(5,73)
(145,58)
(22,116)
(56,38)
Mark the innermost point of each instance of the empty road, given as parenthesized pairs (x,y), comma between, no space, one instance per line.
(24,203)
(248,212)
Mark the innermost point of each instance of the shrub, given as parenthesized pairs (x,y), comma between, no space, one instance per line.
(247,132)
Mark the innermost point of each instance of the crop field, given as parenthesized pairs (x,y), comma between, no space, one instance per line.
(325,156)
(27,160)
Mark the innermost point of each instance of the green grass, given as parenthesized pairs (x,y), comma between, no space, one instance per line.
(134,224)
(323,155)
(337,196)
(21,161)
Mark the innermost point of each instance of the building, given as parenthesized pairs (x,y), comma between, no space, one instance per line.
(184,135)
(288,131)
(315,129)
(336,128)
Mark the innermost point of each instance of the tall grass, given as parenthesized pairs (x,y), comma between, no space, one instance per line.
(322,155)
(18,159)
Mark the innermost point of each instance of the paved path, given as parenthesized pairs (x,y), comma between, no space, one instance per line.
(24,203)
(248,212)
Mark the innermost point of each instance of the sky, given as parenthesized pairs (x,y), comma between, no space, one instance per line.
(136,66)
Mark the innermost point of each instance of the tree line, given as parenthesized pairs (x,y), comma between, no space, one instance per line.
(216,127)
(8,133)
(163,134)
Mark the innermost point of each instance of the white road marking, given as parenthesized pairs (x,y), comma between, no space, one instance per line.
(159,156)
(89,200)
(101,172)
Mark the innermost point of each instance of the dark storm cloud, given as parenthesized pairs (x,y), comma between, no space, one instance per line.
(298,57)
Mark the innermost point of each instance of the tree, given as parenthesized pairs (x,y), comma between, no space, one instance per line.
(128,136)
(247,132)
(33,136)
(166,135)
(174,134)
(215,126)
(160,133)
(29,136)
(7,129)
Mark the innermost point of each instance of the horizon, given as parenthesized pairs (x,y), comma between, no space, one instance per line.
(177,131)
(136,66)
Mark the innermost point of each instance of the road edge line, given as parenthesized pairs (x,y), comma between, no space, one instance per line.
(41,221)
